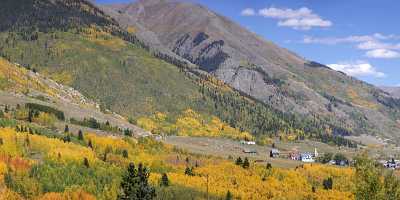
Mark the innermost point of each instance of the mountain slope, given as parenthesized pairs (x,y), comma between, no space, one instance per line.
(394,91)
(109,65)
(259,68)
(90,57)
(20,86)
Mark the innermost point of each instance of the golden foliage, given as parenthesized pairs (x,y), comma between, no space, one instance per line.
(76,194)
(257,182)
(191,123)
(103,38)
(7,194)
(360,101)
(54,149)
(260,183)
(45,119)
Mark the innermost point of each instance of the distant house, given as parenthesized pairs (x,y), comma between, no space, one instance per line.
(249,151)
(392,164)
(274,153)
(247,142)
(307,157)
(332,162)
(294,155)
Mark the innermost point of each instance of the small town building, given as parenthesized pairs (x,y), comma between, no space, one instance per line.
(250,151)
(247,142)
(294,155)
(274,153)
(307,157)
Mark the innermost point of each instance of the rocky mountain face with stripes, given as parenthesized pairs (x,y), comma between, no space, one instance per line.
(257,67)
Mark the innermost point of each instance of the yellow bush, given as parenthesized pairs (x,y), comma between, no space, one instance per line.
(45,119)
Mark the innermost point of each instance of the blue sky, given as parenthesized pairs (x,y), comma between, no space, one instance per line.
(358,37)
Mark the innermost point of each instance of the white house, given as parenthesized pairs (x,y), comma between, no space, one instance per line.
(307,157)
(247,142)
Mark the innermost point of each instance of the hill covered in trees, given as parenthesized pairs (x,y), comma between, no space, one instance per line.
(83,48)
(33,159)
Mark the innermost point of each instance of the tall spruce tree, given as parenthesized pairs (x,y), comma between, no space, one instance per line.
(80,135)
(246,163)
(239,161)
(164,180)
(229,195)
(135,186)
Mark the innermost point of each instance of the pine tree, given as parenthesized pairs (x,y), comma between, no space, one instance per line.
(135,186)
(86,162)
(239,161)
(246,163)
(189,171)
(90,145)
(125,153)
(187,160)
(105,156)
(269,166)
(30,116)
(80,135)
(164,180)
(67,138)
(229,195)
(328,183)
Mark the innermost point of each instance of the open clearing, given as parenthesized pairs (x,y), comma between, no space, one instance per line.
(226,147)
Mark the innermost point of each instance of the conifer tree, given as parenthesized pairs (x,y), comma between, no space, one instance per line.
(135,186)
(80,135)
(246,163)
(328,183)
(189,171)
(239,161)
(125,153)
(164,180)
(90,145)
(86,162)
(229,195)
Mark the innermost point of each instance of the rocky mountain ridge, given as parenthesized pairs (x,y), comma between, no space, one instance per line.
(257,67)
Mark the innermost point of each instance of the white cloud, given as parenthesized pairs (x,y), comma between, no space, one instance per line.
(248,12)
(382,53)
(302,18)
(376,45)
(358,68)
(375,38)
(338,40)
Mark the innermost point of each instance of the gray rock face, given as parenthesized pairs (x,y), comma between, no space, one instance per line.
(394,91)
(256,66)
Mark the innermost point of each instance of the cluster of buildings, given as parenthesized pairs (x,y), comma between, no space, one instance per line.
(306,157)
(391,164)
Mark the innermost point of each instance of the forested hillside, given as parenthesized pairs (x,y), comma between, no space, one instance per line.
(87,50)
